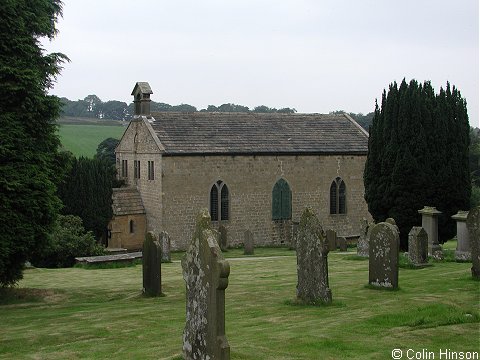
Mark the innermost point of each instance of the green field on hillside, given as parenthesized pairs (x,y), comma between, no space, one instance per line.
(82,140)
(98,314)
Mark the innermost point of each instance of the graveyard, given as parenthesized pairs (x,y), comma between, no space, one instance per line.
(102,313)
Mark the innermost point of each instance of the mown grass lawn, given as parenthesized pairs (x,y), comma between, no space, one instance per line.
(84,313)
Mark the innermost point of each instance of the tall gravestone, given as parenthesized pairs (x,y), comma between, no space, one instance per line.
(463,251)
(152,265)
(362,244)
(331,239)
(418,246)
(248,244)
(165,242)
(205,272)
(312,266)
(473,225)
(383,256)
(223,239)
(430,224)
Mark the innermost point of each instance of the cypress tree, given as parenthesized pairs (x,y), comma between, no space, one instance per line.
(29,159)
(418,155)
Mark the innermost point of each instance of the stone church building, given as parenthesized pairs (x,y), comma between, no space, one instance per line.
(252,172)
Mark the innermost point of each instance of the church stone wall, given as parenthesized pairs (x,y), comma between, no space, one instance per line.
(187,182)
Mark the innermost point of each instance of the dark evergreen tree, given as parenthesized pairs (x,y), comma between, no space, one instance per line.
(106,150)
(28,141)
(88,193)
(418,155)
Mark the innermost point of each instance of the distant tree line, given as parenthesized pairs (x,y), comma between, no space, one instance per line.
(93,107)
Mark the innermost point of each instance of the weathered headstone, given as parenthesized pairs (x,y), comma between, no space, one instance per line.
(383,256)
(152,265)
(418,246)
(342,243)
(165,242)
(205,272)
(463,251)
(473,225)
(248,244)
(331,239)
(430,224)
(362,244)
(293,244)
(312,267)
(223,239)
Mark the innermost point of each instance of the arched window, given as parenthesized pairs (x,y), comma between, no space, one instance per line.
(338,197)
(281,201)
(219,203)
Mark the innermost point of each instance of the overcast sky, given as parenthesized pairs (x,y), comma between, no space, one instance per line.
(312,55)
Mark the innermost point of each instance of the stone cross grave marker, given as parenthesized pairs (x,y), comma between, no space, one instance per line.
(312,266)
(152,265)
(205,272)
(383,256)
(165,242)
(418,246)
(248,244)
(473,225)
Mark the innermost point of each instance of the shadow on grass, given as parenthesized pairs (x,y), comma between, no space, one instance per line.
(14,296)
(355,257)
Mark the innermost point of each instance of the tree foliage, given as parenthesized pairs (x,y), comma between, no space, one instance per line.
(29,160)
(106,150)
(88,193)
(67,241)
(418,155)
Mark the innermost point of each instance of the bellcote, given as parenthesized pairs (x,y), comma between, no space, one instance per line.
(141,98)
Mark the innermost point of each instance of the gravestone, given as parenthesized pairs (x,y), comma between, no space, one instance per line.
(223,237)
(362,244)
(430,224)
(152,265)
(342,243)
(383,256)
(165,242)
(312,267)
(463,251)
(248,244)
(205,272)
(331,239)
(473,225)
(293,244)
(418,246)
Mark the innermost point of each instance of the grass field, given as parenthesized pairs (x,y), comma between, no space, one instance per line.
(83,139)
(83,313)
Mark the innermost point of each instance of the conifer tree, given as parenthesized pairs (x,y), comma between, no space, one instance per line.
(418,155)
(28,142)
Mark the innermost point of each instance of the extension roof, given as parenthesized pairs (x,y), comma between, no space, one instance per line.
(127,201)
(205,133)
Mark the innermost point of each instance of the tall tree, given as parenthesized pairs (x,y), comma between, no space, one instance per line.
(418,155)
(28,142)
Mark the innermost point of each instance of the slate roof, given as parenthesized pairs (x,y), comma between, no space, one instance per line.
(203,133)
(127,201)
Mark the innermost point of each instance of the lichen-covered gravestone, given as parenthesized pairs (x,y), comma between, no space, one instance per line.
(205,272)
(331,239)
(223,239)
(165,242)
(418,246)
(362,244)
(383,256)
(473,225)
(463,251)
(152,265)
(312,266)
(248,244)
